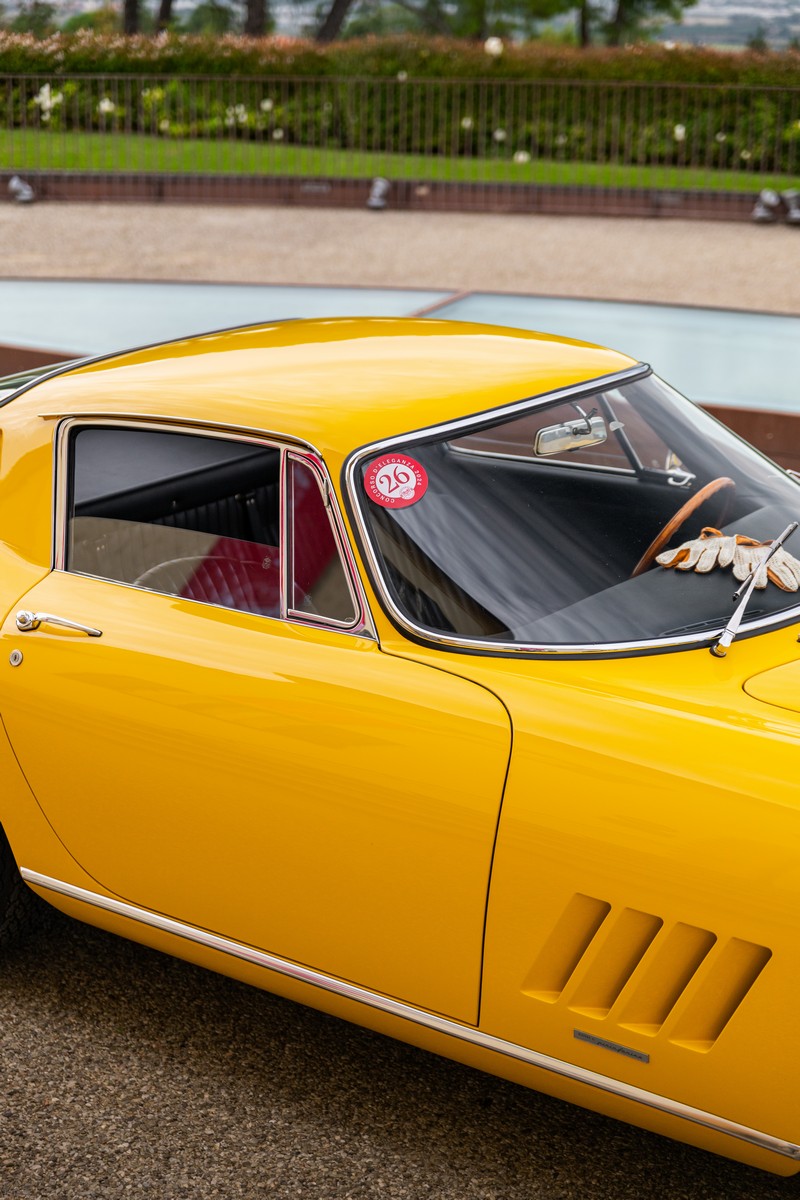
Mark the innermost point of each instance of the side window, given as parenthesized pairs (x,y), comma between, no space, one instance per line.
(319,582)
(187,515)
(200,518)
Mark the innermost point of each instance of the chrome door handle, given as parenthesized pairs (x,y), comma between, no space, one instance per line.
(27,621)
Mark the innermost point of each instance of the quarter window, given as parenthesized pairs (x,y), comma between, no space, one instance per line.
(319,580)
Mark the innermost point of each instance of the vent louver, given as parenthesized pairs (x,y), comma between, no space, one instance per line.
(629,968)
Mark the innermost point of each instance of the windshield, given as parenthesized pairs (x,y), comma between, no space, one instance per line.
(544,529)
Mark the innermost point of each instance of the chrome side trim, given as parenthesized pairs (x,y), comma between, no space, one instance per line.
(428,1020)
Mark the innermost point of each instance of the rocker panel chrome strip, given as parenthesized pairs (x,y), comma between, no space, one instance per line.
(396,1008)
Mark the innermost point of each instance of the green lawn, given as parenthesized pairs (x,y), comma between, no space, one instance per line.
(38,150)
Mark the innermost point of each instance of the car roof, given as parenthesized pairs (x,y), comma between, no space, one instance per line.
(337,384)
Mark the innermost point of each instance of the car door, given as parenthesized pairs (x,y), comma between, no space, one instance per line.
(233,749)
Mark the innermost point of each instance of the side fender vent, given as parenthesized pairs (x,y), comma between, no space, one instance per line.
(632,969)
(566,946)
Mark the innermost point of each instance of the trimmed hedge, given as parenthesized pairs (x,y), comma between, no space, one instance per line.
(87,53)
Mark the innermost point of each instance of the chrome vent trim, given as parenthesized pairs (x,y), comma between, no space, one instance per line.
(427,1020)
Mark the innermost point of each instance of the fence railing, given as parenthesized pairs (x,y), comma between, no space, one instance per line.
(444,143)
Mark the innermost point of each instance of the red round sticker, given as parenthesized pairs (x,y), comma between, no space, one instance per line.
(395,481)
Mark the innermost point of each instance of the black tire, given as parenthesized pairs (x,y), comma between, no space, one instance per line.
(16,898)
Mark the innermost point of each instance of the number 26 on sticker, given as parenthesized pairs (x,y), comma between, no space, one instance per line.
(395,481)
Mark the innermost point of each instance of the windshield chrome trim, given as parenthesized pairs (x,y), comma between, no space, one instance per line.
(469,1034)
(419,633)
(489,415)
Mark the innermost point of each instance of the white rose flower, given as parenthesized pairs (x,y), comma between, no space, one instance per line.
(493,46)
(679,133)
(46,99)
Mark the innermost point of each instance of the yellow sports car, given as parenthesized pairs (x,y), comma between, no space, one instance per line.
(440,676)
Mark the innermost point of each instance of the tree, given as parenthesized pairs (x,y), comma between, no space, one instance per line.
(332,23)
(36,17)
(210,17)
(130,16)
(375,19)
(255,19)
(584,23)
(758,39)
(631,20)
(101,20)
(164,18)
(473,19)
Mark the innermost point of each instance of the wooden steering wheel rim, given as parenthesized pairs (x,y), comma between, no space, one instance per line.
(673,525)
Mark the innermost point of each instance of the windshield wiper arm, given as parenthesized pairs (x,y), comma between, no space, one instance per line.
(720,648)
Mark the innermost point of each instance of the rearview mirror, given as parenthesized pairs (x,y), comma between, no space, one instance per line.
(570,435)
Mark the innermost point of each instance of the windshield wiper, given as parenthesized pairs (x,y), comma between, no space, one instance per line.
(720,648)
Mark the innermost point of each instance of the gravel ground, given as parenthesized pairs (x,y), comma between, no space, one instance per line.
(125,1073)
(713,263)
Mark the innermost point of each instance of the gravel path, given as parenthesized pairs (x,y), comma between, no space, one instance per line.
(713,263)
(125,1073)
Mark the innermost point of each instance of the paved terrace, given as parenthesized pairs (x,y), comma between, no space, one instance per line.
(716,264)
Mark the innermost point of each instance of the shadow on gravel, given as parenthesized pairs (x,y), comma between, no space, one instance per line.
(124,1073)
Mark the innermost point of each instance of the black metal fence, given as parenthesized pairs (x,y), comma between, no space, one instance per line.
(447,143)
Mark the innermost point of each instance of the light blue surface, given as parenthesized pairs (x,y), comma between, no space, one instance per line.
(748,360)
(85,317)
(714,356)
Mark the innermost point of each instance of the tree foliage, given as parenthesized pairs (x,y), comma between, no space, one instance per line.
(472,19)
(36,17)
(609,22)
(630,20)
(99,20)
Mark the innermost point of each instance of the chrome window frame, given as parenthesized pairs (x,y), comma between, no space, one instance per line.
(317,468)
(419,633)
(362,624)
